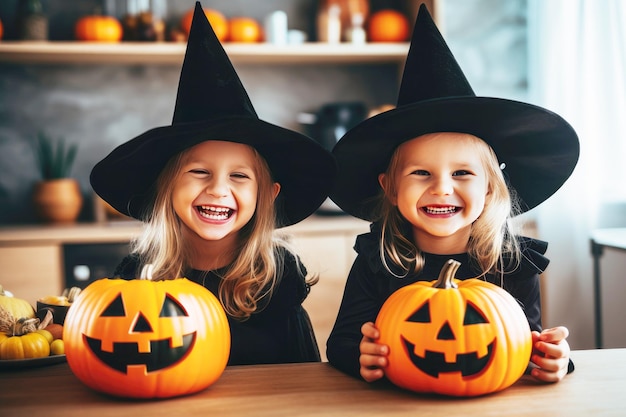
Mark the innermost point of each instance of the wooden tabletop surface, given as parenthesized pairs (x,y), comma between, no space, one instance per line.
(596,388)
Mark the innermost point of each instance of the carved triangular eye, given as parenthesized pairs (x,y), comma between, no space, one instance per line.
(171,308)
(473,315)
(421,315)
(116,308)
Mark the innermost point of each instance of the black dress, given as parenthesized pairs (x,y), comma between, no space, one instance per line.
(279,332)
(369,284)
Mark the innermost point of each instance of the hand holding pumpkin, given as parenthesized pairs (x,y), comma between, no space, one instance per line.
(373,357)
(550,354)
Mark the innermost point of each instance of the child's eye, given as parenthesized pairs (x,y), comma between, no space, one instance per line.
(239,175)
(420,172)
(199,171)
(461,172)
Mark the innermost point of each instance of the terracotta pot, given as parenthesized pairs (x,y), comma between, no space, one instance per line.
(58,200)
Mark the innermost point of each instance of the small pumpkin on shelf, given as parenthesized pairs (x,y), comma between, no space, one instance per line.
(452,337)
(146,339)
(98,28)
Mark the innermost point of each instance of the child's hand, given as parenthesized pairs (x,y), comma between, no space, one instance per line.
(550,354)
(373,355)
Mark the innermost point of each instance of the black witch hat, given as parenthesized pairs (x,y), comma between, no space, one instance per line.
(212,104)
(537,148)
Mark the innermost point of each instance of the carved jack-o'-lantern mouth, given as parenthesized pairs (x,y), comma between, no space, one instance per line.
(433,363)
(127,353)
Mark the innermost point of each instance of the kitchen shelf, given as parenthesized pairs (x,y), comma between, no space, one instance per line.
(54,52)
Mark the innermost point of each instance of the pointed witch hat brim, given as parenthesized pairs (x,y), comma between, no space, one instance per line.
(537,148)
(212,104)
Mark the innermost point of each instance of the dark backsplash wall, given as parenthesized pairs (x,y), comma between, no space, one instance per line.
(102,106)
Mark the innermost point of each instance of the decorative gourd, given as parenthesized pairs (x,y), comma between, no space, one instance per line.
(451,337)
(146,339)
(16,306)
(26,346)
(98,28)
(21,338)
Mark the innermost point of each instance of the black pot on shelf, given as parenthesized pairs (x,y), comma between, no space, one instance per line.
(327,126)
(332,121)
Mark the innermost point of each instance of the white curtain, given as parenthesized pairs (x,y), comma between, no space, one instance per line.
(577,68)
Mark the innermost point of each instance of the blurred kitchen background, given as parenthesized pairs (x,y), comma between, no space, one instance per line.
(566,55)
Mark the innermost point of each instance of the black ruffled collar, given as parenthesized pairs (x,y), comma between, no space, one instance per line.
(532,261)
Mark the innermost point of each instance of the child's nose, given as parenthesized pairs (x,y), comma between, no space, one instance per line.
(442,186)
(217,187)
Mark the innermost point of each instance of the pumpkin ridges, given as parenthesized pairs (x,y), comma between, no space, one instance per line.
(501,380)
(509,339)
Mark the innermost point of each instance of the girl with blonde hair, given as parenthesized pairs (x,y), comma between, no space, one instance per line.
(440,177)
(212,189)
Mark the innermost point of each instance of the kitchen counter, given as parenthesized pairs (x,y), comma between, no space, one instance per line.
(124,230)
(36,234)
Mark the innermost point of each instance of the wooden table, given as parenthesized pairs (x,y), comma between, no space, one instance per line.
(595,389)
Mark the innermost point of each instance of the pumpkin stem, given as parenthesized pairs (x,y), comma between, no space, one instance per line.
(5,292)
(71,293)
(23,326)
(46,320)
(146,272)
(446,275)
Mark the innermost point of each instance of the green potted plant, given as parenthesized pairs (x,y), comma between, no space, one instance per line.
(57,195)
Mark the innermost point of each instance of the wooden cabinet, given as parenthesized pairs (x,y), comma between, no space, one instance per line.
(329,255)
(31,272)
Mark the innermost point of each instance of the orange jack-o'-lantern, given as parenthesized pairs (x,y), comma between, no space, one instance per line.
(451,337)
(146,339)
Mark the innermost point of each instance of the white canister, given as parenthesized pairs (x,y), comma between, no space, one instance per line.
(276,28)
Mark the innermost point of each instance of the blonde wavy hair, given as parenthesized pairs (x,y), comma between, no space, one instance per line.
(491,237)
(251,276)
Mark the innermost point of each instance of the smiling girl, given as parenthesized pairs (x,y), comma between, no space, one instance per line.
(440,177)
(212,189)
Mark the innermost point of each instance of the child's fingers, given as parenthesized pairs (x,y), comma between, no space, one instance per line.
(370,331)
(371,365)
(553,350)
(371,375)
(368,347)
(372,361)
(554,334)
(548,376)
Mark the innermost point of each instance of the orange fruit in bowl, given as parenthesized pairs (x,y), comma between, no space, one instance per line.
(388,25)
(217,20)
(244,29)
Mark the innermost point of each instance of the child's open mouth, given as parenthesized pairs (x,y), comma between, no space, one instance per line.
(440,210)
(215,213)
